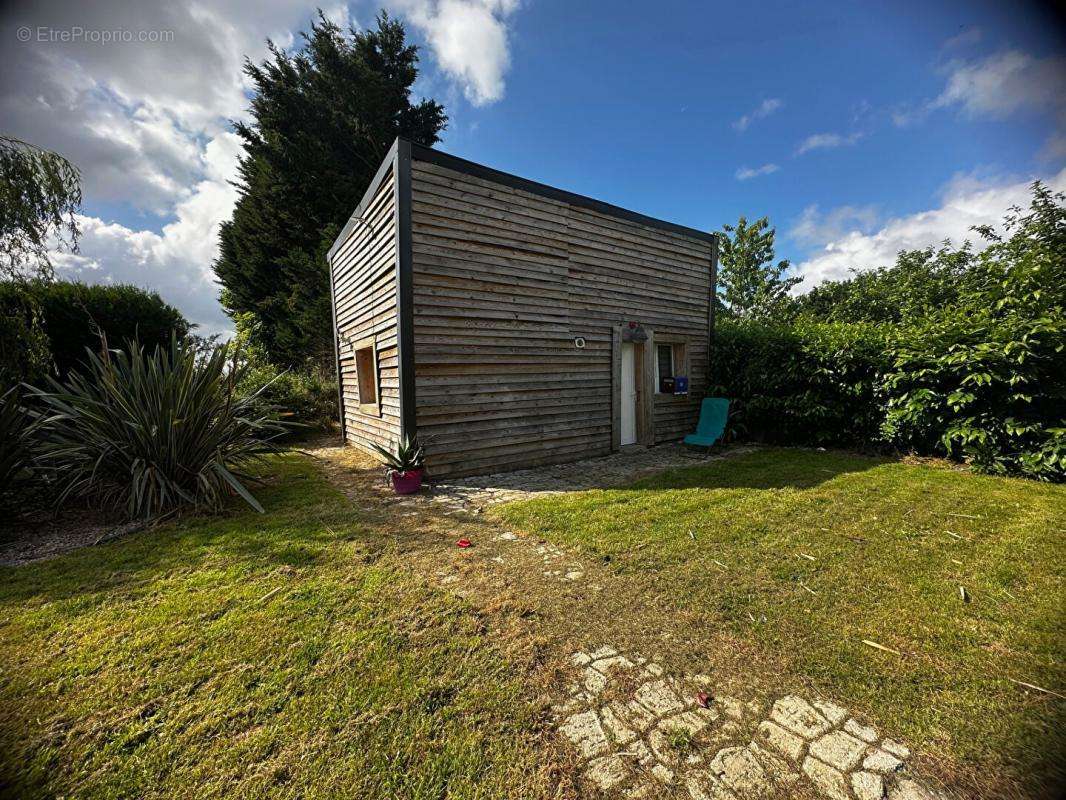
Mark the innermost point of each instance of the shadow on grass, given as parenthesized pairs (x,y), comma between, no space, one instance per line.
(764,469)
(304,519)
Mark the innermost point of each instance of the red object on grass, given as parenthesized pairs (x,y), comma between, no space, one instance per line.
(463,543)
(703,699)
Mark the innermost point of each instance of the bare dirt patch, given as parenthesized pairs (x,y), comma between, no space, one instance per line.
(43,536)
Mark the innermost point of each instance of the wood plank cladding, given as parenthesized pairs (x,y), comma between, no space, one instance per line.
(505,278)
(364,276)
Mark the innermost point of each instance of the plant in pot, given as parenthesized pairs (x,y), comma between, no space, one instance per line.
(405,465)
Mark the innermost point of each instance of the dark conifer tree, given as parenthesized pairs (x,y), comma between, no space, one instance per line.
(322,120)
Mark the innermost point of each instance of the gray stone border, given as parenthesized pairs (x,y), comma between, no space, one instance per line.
(676,732)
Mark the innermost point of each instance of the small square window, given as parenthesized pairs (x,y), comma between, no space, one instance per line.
(366,375)
(669,365)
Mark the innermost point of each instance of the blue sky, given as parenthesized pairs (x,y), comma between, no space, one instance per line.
(859,128)
(639,109)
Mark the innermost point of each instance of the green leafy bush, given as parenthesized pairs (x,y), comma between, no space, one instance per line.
(920,282)
(73,316)
(24,347)
(149,434)
(17,465)
(307,398)
(988,391)
(804,384)
(986,381)
(975,370)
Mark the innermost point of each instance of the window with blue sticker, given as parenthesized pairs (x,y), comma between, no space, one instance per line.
(670,369)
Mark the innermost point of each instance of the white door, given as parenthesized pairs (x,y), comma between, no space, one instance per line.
(629,393)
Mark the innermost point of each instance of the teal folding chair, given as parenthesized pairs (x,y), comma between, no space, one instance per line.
(714,411)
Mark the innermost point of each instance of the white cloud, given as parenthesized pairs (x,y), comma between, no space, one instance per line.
(1004,83)
(195,75)
(966,201)
(997,86)
(340,15)
(1054,148)
(817,227)
(176,262)
(126,152)
(826,141)
(747,173)
(905,116)
(765,109)
(147,123)
(470,40)
(966,38)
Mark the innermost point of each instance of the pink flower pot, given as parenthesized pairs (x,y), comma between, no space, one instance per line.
(407,482)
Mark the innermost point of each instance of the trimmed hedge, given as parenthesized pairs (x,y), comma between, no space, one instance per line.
(71,317)
(24,347)
(981,388)
(811,383)
(17,468)
(975,370)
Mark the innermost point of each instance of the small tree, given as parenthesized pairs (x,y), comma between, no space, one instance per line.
(40,193)
(749,283)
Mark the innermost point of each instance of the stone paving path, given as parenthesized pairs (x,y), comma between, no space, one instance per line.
(473,494)
(463,496)
(640,732)
(637,729)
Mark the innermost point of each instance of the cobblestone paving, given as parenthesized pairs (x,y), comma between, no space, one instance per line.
(635,727)
(473,494)
(464,496)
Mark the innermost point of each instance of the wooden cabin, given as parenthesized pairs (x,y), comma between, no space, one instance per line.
(510,324)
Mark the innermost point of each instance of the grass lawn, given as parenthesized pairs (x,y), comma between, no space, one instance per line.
(285,655)
(313,652)
(803,555)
